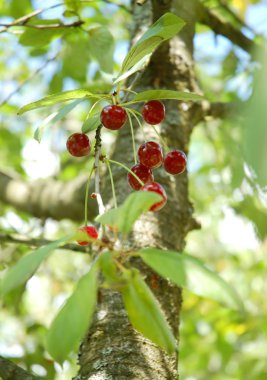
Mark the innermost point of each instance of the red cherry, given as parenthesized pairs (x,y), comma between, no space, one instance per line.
(150,154)
(92,233)
(153,112)
(156,188)
(142,172)
(113,117)
(78,144)
(175,162)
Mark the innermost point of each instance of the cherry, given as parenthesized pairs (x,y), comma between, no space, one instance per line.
(156,188)
(92,233)
(78,144)
(113,117)
(175,162)
(150,154)
(142,172)
(153,112)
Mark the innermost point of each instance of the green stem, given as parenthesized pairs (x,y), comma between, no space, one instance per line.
(87,196)
(128,170)
(160,138)
(138,121)
(132,132)
(112,184)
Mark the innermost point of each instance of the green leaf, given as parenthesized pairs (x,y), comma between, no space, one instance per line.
(76,57)
(59,97)
(145,314)
(138,66)
(164,28)
(73,320)
(27,265)
(187,271)
(138,52)
(123,217)
(41,37)
(54,118)
(254,116)
(91,123)
(101,47)
(108,267)
(165,94)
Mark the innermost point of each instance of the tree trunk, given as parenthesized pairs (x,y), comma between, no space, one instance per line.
(113,349)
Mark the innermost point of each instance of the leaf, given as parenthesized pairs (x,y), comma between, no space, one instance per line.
(164,28)
(165,94)
(138,66)
(76,56)
(27,265)
(59,97)
(108,267)
(41,37)
(254,131)
(145,314)
(54,118)
(101,47)
(73,320)
(140,51)
(91,123)
(187,271)
(123,217)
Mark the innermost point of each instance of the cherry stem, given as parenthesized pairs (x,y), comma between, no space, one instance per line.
(138,121)
(112,183)
(128,170)
(132,132)
(87,196)
(160,138)
(100,203)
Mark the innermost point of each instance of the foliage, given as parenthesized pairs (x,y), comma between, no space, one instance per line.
(219,182)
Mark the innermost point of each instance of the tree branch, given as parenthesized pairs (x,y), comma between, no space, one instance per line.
(220,26)
(10,371)
(47,198)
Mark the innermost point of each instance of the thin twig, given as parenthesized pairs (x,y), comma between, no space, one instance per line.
(46,26)
(36,243)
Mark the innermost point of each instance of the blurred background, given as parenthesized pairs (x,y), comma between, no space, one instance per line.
(229,199)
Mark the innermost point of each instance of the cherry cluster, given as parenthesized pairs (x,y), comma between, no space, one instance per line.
(150,153)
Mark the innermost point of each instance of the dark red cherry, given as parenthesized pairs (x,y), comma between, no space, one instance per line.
(90,231)
(113,117)
(175,162)
(78,144)
(142,172)
(153,112)
(150,154)
(156,188)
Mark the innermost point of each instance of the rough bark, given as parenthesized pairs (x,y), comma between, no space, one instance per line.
(113,349)
(10,371)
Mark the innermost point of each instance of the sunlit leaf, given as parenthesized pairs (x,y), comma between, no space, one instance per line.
(27,265)
(164,28)
(101,47)
(72,321)
(145,314)
(123,217)
(165,94)
(91,123)
(58,98)
(187,271)
(54,118)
